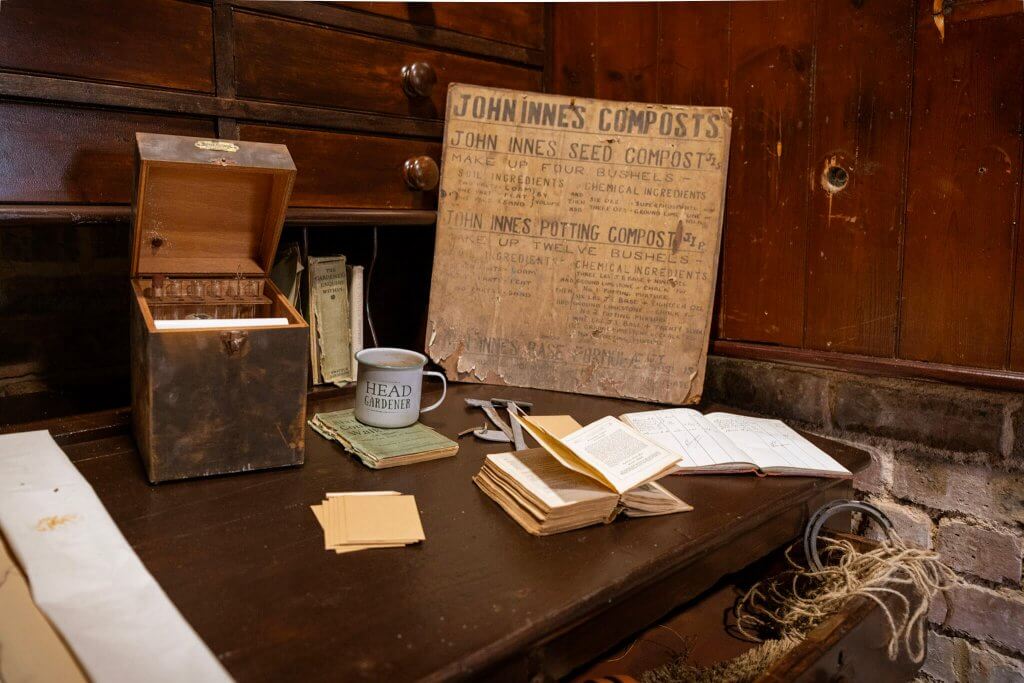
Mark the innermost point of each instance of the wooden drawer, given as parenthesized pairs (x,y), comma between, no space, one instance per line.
(161,43)
(518,23)
(351,171)
(850,646)
(64,154)
(280,59)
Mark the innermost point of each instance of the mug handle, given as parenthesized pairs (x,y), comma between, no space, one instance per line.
(444,390)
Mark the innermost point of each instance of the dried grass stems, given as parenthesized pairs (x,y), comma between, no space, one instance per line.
(902,581)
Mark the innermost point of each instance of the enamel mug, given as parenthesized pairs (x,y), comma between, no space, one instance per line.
(389,387)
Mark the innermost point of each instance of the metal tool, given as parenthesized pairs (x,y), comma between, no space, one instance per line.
(517,429)
(492,413)
(508,433)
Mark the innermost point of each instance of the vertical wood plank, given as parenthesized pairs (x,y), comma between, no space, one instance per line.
(693,53)
(764,243)
(1017,325)
(627,51)
(862,96)
(962,189)
(574,49)
(224,49)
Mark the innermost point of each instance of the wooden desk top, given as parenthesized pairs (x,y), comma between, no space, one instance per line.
(242,557)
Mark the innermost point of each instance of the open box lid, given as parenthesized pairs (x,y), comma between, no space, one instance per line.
(208,207)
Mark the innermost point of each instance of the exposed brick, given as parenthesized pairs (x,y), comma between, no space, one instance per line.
(874,477)
(987,553)
(995,616)
(947,658)
(938,415)
(913,526)
(781,391)
(979,491)
(1015,445)
(991,667)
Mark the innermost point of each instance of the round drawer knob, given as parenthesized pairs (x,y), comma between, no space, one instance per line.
(418,79)
(421,173)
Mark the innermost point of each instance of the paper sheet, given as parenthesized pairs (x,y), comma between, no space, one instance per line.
(32,649)
(546,478)
(380,519)
(86,578)
(688,433)
(217,323)
(773,444)
(620,453)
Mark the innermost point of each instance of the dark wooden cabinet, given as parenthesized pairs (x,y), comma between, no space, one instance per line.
(355,90)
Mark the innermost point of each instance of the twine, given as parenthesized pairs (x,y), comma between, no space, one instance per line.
(792,603)
(780,611)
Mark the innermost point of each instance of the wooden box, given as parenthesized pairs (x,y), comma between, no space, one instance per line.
(207,217)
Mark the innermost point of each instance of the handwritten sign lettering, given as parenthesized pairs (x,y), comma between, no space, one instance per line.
(577,243)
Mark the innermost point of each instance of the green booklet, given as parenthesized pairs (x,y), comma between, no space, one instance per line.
(379,448)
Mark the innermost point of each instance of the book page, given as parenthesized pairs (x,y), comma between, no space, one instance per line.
(771,444)
(547,479)
(652,499)
(689,435)
(620,453)
(540,428)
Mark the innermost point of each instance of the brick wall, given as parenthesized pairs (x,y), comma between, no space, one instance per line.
(947,468)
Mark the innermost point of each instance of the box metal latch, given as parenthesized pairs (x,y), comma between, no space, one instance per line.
(234,341)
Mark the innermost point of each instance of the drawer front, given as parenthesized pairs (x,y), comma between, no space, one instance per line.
(350,171)
(67,154)
(160,43)
(279,59)
(518,23)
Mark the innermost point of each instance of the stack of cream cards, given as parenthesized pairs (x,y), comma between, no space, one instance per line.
(364,520)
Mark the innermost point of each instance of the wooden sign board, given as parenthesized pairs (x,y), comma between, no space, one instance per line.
(577,243)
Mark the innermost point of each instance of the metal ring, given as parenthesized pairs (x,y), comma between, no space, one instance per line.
(825,512)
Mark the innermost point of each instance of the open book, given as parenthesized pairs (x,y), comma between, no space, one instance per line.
(723,443)
(581,476)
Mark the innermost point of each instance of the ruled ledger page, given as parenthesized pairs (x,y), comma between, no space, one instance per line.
(689,434)
(771,444)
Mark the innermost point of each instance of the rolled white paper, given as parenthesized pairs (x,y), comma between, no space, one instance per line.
(218,323)
(86,578)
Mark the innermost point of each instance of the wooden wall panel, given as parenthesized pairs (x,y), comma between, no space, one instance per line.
(519,23)
(573,62)
(963,177)
(1017,325)
(627,51)
(339,170)
(162,43)
(763,256)
(693,57)
(861,122)
(278,59)
(75,155)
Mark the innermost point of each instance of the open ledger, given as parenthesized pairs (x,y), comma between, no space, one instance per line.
(724,443)
(581,476)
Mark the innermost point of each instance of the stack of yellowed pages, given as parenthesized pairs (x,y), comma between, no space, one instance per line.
(581,476)
(364,520)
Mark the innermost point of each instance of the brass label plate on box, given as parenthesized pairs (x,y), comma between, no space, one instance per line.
(216,146)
